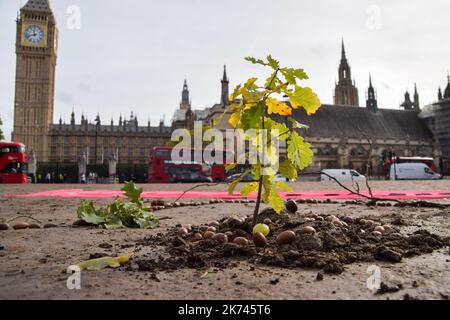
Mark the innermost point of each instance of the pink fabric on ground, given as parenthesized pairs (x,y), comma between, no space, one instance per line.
(318,195)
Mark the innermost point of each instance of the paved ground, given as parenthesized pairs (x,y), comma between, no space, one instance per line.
(31,260)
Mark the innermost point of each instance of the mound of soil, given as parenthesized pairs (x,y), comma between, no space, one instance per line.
(330,248)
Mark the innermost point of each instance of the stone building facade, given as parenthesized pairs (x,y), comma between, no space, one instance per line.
(346,135)
(127,140)
(437,118)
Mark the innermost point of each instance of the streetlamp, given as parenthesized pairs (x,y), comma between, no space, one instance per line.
(97,127)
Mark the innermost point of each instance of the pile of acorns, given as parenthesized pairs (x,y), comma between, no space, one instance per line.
(238,230)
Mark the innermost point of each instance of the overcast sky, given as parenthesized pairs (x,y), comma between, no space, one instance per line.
(134,54)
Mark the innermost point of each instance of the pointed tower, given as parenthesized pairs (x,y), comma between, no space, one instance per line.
(447,90)
(416,103)
(345,92)
(36,49)
(439,94)
(72,118)
(371,102)
(407,104)
(185,103)
(224,100)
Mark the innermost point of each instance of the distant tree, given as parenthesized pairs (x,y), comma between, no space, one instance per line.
(2,137)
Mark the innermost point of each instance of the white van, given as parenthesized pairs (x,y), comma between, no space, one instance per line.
(342,175)
(412,171)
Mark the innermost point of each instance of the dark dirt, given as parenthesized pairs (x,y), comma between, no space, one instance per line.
(329,249)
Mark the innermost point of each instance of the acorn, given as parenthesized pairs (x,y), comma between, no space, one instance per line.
(183,231)
(4,226)
(241,241)
(198,236)
(286,237)
(233,221)
(259,239)
(337,222)
(291,206)
(208,235)
(230,235)
(308,230)
(21,225)
(214,224)
(213,229)
(220,238)
(348,219)
(240,233)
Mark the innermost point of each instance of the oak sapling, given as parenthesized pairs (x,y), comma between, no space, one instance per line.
(251,108)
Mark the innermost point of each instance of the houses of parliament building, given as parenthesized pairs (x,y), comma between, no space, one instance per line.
(341,134)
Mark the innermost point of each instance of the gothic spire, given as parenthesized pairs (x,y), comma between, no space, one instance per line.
(343,57)
(371,102)
(416,98)
(72,117)
(439,94)
(225,78)
(224,99)
(447,90)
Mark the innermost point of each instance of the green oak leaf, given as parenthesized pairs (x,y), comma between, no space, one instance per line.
(133,193)
(275,201)
(287,169)
(249,188)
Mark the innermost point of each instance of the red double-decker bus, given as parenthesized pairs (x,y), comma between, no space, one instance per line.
(164,169)
(13,163)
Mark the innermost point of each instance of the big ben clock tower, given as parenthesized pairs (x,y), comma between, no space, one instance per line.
(36,49)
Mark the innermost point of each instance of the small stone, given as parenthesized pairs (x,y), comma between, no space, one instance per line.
(274,281)
(319,276)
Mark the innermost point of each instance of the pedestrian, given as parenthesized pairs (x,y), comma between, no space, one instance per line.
(83,178)
(48,177)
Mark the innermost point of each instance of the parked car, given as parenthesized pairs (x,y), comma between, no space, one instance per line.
(280,177)
(247,178)
(412,171)
(342,175)
(190,177)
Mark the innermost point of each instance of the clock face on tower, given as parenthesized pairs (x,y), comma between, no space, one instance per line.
(34,34)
